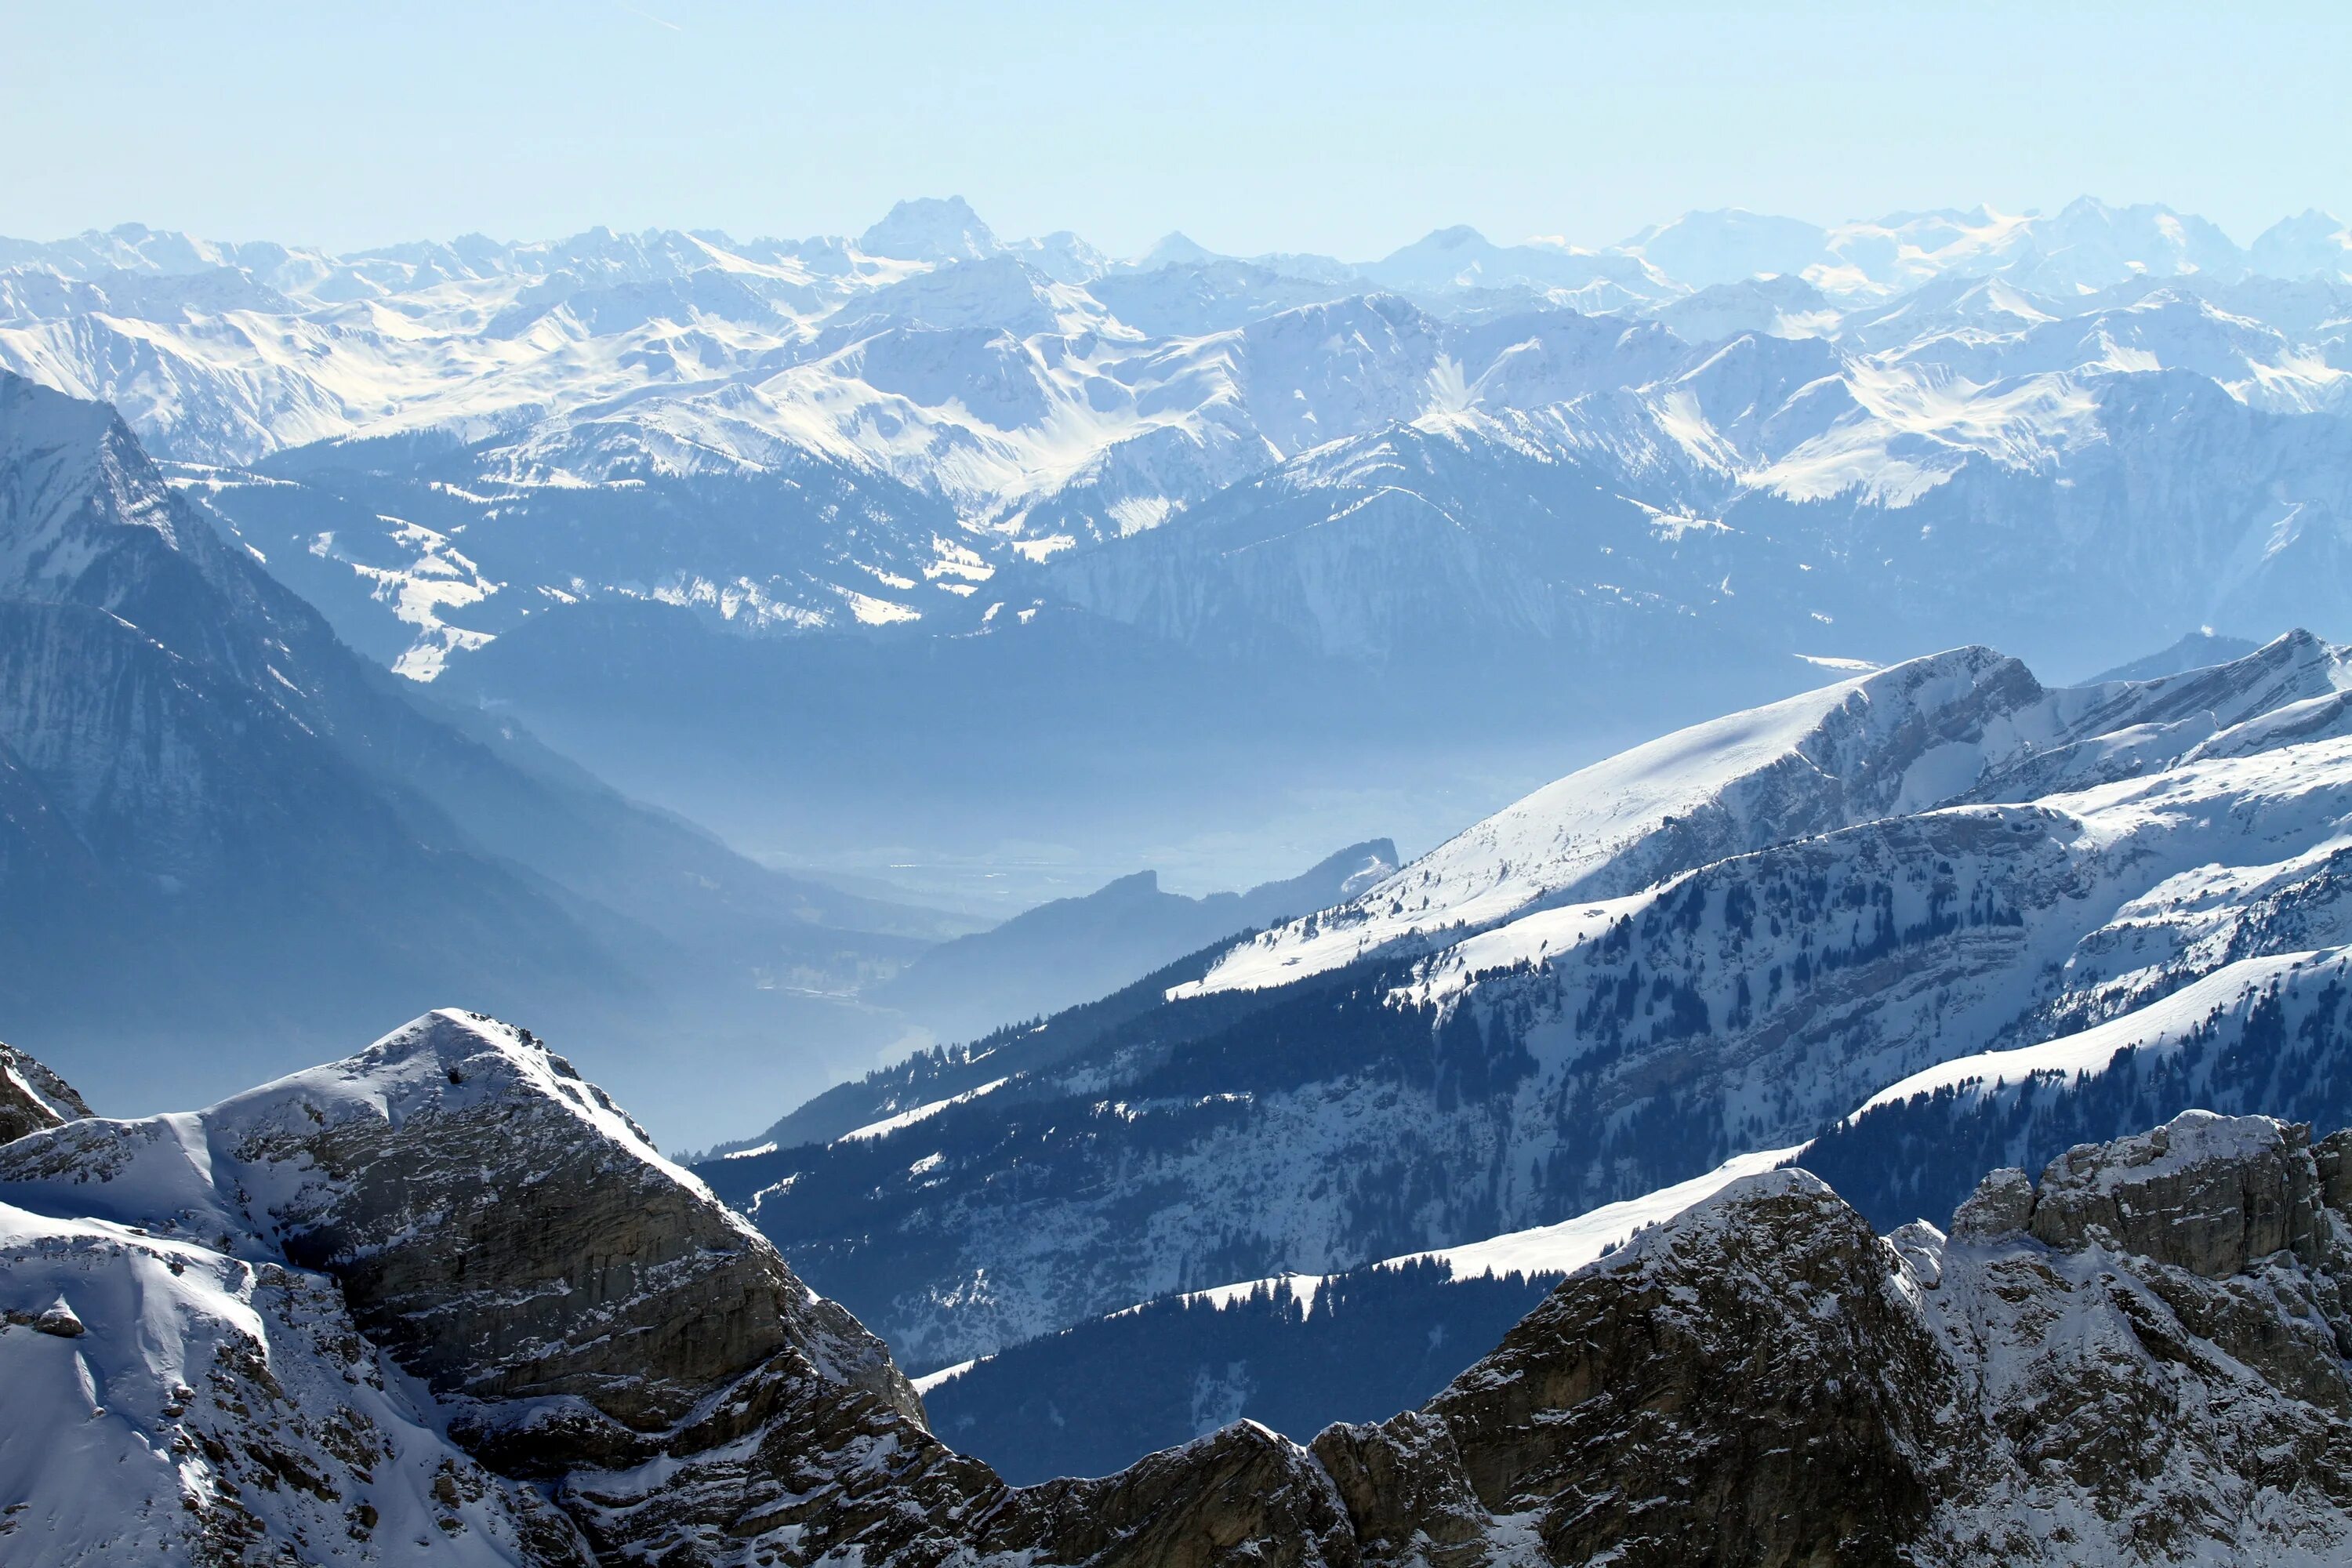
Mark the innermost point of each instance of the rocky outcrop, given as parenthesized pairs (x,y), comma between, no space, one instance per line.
(510,1235)
(2144,1361)
(2158,1351)
(498,1229)
(444,1295)
(2207,1194)
(1675,1409)
(1751,1383)
(32,1097)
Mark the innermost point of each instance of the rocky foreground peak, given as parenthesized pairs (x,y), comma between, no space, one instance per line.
(32,1097)
(443,1299)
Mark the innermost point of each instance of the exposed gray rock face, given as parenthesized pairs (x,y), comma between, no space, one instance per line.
(2001,1206)
(1763,1381)
(521,1267)
(2332,1156)
(2144,1362)
(1667,1409)
(32,1097)
(2207,1194)
(501,1229)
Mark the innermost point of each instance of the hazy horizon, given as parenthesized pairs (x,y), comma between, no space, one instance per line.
(1333,130)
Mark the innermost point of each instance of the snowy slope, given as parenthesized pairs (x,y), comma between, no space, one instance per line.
(1562,1248)
(1878,744)
(2161,1025)
(168,1400)
(1565,1247)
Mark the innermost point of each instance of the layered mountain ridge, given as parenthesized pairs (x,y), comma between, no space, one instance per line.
(933,411)
(1720,944)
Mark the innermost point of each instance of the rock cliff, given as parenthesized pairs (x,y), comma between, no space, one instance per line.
(32,1097)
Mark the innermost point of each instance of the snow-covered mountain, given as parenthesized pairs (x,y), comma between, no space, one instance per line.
(1520,522)
(200,787)
(237,1335)
(1720,944)
(2085,247)
(1783,499)
(928,404)
(1163,543)
(442,1301)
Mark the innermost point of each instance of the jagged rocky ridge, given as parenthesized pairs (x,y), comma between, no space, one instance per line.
(442,1302)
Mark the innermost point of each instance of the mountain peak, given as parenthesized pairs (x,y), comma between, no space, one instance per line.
(58,453)
(2312,243)
(32,1097)
(1174,249)
(930,228)
(1697,795)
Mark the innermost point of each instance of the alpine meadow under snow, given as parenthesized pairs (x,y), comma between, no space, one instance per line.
(1681,901)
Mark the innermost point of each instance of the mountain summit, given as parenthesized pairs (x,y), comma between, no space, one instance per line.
(930,229)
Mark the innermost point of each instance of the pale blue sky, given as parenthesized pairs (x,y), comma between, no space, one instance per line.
(1347,129)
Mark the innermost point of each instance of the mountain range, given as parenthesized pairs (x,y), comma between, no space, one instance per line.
(607,486)
(768,666)
(1907,927)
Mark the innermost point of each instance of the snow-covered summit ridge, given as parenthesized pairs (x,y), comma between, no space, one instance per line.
(2086,245)
(244,1165)
(63,458)
(2191,1138)
(1896,738)
(450,1215)
(33,1097)
(1970,724)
